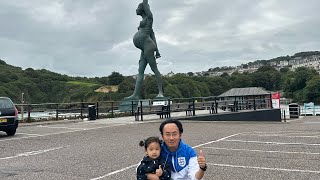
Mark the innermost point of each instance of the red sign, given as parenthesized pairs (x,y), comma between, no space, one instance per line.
(276,95)
(275,100)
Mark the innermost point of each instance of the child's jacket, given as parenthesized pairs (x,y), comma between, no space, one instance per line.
(148,165)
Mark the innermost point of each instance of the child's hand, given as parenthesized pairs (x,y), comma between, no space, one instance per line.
(159,171)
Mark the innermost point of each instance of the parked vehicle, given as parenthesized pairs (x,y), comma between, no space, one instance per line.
(8,116)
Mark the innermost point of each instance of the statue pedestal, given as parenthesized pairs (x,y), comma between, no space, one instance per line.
(128,105)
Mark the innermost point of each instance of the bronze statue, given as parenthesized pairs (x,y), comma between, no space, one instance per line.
(145,40)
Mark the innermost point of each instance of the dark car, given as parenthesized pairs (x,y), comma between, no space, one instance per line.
(8,116)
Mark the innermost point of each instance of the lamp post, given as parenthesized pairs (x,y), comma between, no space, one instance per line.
(22,102)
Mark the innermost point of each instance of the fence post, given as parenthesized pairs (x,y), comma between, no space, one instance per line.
(97,109)
(216,105)
(112,109)
(193,106)
(29,110)
(132,110)
(141,111)
(169,107)
(81,111)
(270,101)
(57,111)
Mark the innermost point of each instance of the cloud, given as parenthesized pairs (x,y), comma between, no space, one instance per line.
(94,38)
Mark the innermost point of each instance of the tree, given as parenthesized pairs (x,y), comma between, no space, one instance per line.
(284,70)
(238,80)
(297,80)
(190,73)
(262,79)
(266,69)
(217,85)
(172,91)
(102,80)
(115,78)
(311,92)
(127,85)
(150,85)
(224,75)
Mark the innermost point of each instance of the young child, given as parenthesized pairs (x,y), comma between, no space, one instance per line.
(153,163)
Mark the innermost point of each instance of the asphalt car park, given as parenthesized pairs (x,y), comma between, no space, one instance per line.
(108,149)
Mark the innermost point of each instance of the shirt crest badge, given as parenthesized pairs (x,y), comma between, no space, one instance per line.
(182,161)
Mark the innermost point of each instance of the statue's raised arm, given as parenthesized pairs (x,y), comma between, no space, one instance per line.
(147,10)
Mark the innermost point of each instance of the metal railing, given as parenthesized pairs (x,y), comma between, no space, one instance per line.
(110,109)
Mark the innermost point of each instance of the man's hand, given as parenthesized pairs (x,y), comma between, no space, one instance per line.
(159,171)
(201,160)
(202,164)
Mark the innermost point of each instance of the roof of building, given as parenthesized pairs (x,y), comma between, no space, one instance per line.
(244,92)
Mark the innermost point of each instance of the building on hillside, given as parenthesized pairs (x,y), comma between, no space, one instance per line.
(309,62)
(249,70)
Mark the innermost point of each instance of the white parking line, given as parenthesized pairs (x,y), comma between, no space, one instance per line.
(135,165)
(222,139)
(29,134)
(31,153)
(278,135)
(264,168)
(254,150)
(61,127)
(280,132)
(263,142)
(115,172)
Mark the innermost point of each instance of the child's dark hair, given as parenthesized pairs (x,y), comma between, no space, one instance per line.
(150,140)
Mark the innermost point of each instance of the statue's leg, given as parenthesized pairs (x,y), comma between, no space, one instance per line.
(139,79)
(149,55)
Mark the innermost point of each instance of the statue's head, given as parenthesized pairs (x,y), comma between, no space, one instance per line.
(140,9)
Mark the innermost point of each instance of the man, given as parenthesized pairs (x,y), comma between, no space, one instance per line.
(182,158)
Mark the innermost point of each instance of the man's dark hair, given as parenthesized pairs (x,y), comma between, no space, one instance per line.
(168,121)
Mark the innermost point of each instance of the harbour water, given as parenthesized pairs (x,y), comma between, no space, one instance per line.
(48,115)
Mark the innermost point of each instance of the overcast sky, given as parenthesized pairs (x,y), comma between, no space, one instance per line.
(93,38)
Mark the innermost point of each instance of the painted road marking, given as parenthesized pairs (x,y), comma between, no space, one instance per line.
(31,153)
(316,136)
(264,168)
(115,172)
(29,134)
(278,143)
(254,150)
(286,132)
(61,127)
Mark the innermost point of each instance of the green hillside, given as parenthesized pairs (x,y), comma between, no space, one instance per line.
(43,86)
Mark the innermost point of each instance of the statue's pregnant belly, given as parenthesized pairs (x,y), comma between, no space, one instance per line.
(139,38)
